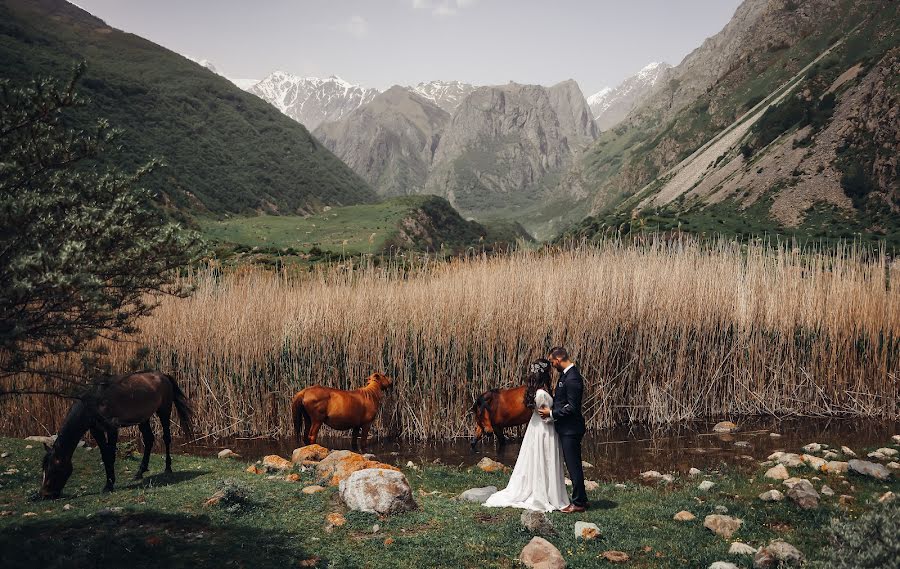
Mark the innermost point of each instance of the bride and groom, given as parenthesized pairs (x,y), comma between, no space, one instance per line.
(553,436)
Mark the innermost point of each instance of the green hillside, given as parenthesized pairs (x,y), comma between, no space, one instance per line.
(225,150)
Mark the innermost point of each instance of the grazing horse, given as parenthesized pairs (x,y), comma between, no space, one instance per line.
(339,409)
(498,409)
(108,405)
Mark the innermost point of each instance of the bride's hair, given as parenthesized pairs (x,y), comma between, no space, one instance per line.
(538,378)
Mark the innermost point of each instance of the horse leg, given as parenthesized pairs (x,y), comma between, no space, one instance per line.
(148,438)
(354,446)
(365,438)
(314,431)
(108,452)
(165,419)
(501,438)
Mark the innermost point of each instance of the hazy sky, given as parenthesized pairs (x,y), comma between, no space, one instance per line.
(379,43)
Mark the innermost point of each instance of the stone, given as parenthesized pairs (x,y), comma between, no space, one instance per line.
(888,451)
(335,519)
(812,447)
(489,465)
(894,465)
(778,472)
(4,454)
(804,495)
(706,485)
(694,472)
(254,469)
(791,481)
(377,490)
(813,462)
(651,475)
(847,451)
(477,495)
(620,486)
(614,556)
(412,465)
(312,489)
(790,460)
(67,507)
(42,439)
(846,500)
(668,478)
(723,526)
(738,548)
(725,427)
(340,464)
(771,496)
(876,455)
(872,469)
(585,464)
(723,565)
(836,467)
(567,482)
(275,462)
(720,510)
(537,523)
(826,490)
(586,530)
(830,455)
(887,497)
(228,453)
(775,435)
(309,453)
(591,485)
(896,439)
(684,516)
(541,554)
(742,444)
(775,455)
(292,477)
(777,554)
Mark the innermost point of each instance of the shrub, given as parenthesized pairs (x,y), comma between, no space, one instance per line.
(872,541)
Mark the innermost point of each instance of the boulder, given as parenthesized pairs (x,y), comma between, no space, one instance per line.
(790,482)
(706,485)
(541,554)
(830,455)
(723,565)
(489,465)
(812,447)
(738,548)
(867,468)
(591,486)
(477,495)
(876,455)
(775,455)
(694,472)
(725,427)
(847,451)
(777,554)
(790,459)
(894,465)
(340,464)
(586,530)
(813,462)
(684,516)
(228,453)
(723,526)
(804,495)
(777,472)
(309,453)
(614,556)
(651,475)
(377,490)
(836,467)
(826,490)
(771,496)
(889,452)
(537,523)
(273,462)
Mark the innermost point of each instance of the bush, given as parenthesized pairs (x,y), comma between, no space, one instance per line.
(234,497)
(872,541)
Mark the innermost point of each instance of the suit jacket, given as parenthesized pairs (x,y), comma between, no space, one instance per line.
(567,403)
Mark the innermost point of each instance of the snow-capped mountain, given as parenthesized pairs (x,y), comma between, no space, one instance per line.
(311,100)
(611,105)
(244,84)
(445,94)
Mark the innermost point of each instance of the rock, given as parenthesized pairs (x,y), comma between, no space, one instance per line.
(614,556)
(830,455)
(254,469)
(725,427)
(723,565)
(847,451)
(771,496)
(228,453)
(706,485)
(591,486)
(309,453)
(791,481)
(836,467)
(876,455)
(720,510)
(488,465)
(812,447)
(668,478)
(894,465)
(694,472)
(777,553)
(813,462)
(888,451)
(804,495)
(790,459)
(67,507)
(541,554)
(292,477)
(312,489)
(586,530)
(214,499)
(651,475)
(620,486)
(845,500)
(477,495)
(742,444)
(340,464)
(684,516)
(567,482)
(585,464)
(775,455)
(887,497)
(826,490)
(738,548)
(275,462)
(377,490)
(537,523)
(412,465)
(42,439)
(896,439)
(867,468)
(29,447)
(775,435)
(778,472)
(335,519)
(723,526)
(370,456)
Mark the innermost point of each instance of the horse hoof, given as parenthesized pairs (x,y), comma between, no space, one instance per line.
(168,471)
(107,489)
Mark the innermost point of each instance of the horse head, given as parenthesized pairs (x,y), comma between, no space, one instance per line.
(384,382)
(57,471)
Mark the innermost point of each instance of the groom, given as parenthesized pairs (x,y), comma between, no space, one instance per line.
(566,414)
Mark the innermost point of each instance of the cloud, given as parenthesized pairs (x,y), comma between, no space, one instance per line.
(356,26)
(442,7)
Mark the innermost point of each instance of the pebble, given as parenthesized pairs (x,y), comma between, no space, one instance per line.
(694,472)
(778,472)
(67,507)
(887,497)
(706,485)
(720,510)
(412,465)
(684,516)
(586,530)
(738,548)
(228,453)
(826,490)
(812,447)
(620,486)
(771,496)
(4,454)
(847,451)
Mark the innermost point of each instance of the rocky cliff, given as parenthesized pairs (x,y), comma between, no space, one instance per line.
(610,105)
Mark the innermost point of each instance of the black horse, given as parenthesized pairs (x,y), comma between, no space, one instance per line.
(117,402)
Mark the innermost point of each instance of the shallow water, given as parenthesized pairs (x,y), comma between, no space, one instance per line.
(616,454)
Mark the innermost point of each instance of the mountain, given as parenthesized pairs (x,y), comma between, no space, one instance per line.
(244,84)
(390,141)
(311,100)
(611,105)
(224,149)
(445,94)
(785,122)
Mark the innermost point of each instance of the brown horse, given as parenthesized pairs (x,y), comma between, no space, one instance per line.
(498,409)
(107,406)
(339,409)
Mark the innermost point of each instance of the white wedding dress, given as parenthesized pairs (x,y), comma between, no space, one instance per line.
(538,481)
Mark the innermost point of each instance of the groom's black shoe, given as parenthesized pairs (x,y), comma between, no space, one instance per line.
(573,509)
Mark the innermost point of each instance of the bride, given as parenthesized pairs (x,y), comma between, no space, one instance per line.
(537,481)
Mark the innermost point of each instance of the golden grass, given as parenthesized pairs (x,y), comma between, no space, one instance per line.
(663,331)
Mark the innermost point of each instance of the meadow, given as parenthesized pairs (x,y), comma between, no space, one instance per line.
(664,331)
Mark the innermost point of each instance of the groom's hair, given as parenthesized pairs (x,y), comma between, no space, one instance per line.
(559,352)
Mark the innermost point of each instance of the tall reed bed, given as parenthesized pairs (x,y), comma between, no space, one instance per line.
(664,332)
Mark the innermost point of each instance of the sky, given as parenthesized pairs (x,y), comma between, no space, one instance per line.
(379,43)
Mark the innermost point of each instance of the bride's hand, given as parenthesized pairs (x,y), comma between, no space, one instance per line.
(544,412)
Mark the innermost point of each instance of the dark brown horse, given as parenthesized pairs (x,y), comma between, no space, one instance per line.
(107,406)
(341,410)
(499,409)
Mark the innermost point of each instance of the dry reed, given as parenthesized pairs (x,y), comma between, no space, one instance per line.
(664,331)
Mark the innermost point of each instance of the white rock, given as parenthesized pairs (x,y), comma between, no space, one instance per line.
(228,453)
(887,497)
(778,472)
(872,469)
(591,486)
(377,490)
(826,490)
(4,454)
(725,427)
(896,439)
(813,462)
(720,510)
(567,482)
(585,464)
(694,472)
(684,516)
(777,554)
(771,496)
(724,526)
(477,495)
(738,548)
(812,447)
(706,485)
(847,451)
(775,435)
(668,478)
(790,459)
(489,465)
(804,495)
(538,523)
(620,486)
(894,465)
(830,455)
(412,465)
(723,565)
(876,455)
(888,451)
(836,467)
(775,455)
(541,554)
(651,475)
(586,530)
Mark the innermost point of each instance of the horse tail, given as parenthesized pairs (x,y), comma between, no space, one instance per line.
(298,411)
(182,407)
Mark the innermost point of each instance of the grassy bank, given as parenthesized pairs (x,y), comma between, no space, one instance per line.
(163,522)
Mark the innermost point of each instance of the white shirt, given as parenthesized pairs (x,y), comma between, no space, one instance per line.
(565,371)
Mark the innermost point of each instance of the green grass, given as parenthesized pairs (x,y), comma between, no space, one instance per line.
(163,522)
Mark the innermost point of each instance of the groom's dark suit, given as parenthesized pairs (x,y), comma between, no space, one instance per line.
(569,422)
